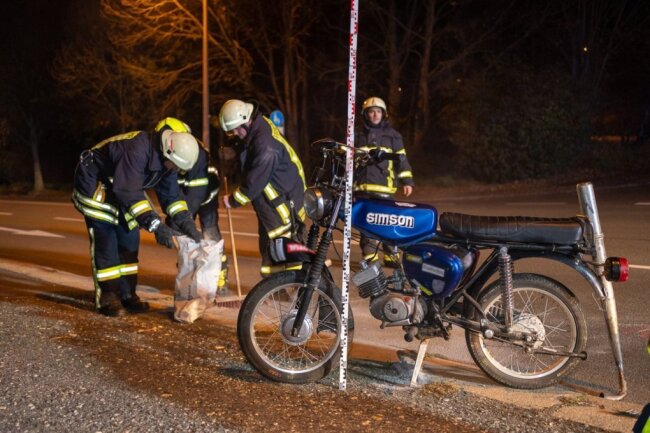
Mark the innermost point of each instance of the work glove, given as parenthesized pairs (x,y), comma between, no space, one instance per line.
(165,236)
(185,224)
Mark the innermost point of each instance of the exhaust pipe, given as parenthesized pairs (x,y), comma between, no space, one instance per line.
(589,209)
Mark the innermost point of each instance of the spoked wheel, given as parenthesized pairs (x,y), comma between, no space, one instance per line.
(550,314)
(265,324)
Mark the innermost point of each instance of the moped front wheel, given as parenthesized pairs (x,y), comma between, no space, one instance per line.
(554,321)
(265,323)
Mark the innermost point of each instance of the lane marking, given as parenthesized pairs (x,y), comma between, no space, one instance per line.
(47,203)
(6,213)
(536,203)
(77,220)
(31,233)
(642,203)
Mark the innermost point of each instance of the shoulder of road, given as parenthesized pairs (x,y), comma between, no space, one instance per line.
(560,402)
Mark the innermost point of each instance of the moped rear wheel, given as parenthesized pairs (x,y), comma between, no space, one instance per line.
(550,313)
(264,329)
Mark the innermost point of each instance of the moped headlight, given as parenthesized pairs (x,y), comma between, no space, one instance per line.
(318,203)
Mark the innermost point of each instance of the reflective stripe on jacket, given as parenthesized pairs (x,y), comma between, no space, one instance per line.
(384,176)
(112,176)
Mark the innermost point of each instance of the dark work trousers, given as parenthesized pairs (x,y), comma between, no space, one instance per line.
(370,247)
(114,258)
(271,225)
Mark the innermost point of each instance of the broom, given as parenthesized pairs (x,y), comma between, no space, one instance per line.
(231,301)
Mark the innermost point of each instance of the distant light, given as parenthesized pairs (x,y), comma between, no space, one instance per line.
(585,49)
(399,89)
(458,80)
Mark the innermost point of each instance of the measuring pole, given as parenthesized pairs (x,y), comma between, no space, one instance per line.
(349,169)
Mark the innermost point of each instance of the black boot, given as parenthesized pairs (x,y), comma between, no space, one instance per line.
(134,304)
(110,305)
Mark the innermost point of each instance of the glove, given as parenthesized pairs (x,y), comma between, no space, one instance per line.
(185,224)
(165,236)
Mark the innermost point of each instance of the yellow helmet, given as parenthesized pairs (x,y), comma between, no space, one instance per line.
(173,123)
(234,113)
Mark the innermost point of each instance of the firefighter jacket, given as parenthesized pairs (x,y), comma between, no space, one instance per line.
(381,177)
(271,168)
(200,186)
(112,176)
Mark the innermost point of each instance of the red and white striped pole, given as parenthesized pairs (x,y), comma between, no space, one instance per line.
(349,169)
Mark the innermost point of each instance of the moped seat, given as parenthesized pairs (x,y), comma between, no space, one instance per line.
(559,231)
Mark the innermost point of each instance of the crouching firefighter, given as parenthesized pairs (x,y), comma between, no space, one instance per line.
(273,179)
(109,190)
(200,186)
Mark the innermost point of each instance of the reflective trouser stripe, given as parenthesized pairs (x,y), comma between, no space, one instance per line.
(108,273)
(98,289)
(280,231)
(129,269)
(223,275)
(267,270)
(283,211)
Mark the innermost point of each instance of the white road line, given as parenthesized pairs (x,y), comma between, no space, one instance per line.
(536,203)
(642,203)
(30,232)
(77,220)
(639,267)
(6,213)
(46,203)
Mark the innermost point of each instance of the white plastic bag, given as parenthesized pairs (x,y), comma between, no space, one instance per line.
(199,265)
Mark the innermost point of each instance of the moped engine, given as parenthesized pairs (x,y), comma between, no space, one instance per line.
(397,309)
(389,307)
(370,280)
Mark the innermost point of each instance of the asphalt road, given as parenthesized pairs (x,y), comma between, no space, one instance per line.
(53,234)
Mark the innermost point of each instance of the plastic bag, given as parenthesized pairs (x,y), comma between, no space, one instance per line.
(199,265)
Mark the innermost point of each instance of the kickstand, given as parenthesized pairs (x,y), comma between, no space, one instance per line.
(422,351)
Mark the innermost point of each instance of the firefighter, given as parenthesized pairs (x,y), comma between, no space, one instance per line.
(200,186)
(380,180)
(109,190)
(273,178)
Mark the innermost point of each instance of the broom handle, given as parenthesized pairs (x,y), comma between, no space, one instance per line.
(232,239)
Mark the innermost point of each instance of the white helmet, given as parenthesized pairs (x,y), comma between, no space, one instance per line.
(374,101)
(180,148)
(173,123)
(234,113)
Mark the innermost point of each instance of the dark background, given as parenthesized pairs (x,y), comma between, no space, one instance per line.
(487,91)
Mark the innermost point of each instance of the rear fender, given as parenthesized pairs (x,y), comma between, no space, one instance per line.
(491,268)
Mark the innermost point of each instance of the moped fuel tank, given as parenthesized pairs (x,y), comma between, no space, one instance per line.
(397,223)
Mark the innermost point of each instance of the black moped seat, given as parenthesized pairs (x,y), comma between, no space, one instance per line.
(558,231)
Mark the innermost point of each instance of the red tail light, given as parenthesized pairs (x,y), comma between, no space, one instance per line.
(616,269)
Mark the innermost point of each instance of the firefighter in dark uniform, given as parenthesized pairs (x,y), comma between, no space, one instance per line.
(109,190)
(200,186)
(273,179)
(380,180)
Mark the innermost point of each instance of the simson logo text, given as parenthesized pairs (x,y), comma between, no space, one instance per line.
(385,219)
